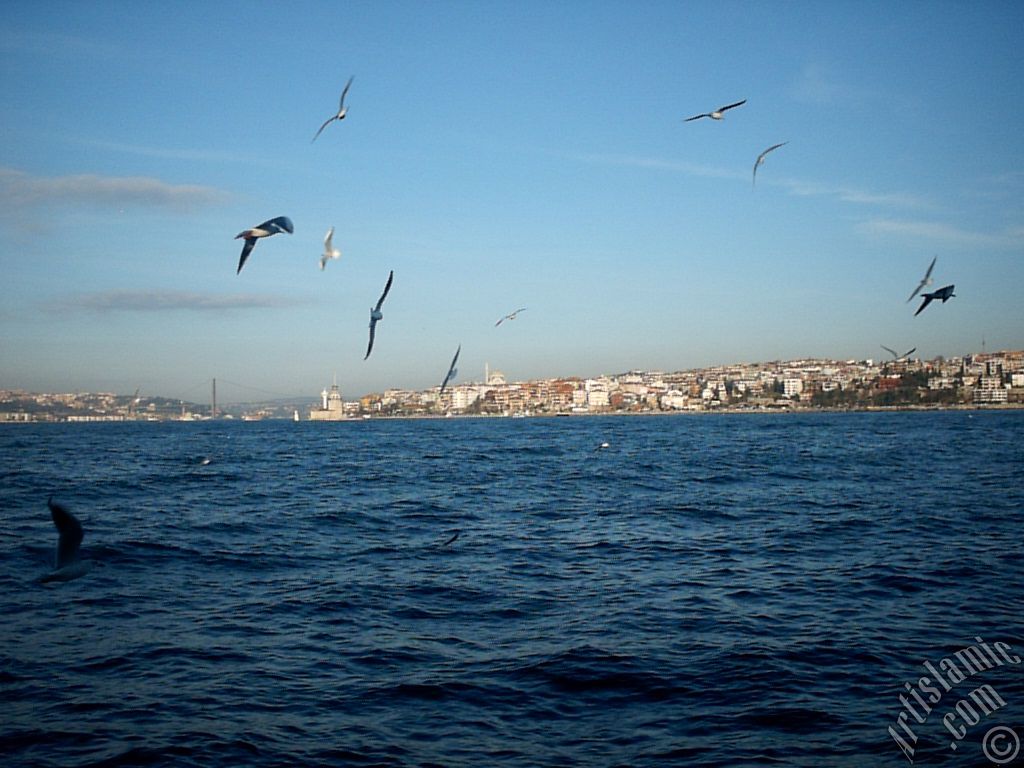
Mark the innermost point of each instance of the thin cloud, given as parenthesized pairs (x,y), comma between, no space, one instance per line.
(678,166)
(164,153)
(19,189)
(793,186)
(816,85)
(172,301)
(945,233)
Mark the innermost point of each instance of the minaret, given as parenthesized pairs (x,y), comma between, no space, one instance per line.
(487,373)
(213,411)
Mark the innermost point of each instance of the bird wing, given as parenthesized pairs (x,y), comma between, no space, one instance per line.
(737,104)
(909,352)
(924,280)
(387,287)
(451,369)
(890,351)
(341,101)
(326,123)
(70,531)
(927,300)
(250,243)
(280,224)
(500,321)
(696,117)
(328,240)
(373,328)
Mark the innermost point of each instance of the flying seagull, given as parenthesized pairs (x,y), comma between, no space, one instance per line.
(67,565)
(342,111)
(375,313)
(944,293)
(717,114)
(266,229)
(452,370)
(925,281)
(330,252)
(892,352)
(510,316)
(760,158)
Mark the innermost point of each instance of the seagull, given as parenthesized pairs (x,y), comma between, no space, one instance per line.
(602,446)
(375,313)
(944,293)
(266,229)
(717,114)
(341,111)
(892,352)
(925,281)
(510,316)
(452,371)
(67,566)
(760,158)
(330,252)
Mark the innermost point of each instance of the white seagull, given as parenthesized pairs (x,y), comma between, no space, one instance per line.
(67,565)
(452,371)
(266,229)
(906,354)
(509,316)
(342,111)
(330,252)
(760,158)
(717,114)
(375,313)
(925,281)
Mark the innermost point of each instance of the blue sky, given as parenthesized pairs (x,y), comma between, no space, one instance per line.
(500,155)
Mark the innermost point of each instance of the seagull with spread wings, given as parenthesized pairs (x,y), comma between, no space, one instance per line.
(925,281)
(330,252)
(376,314)
(342,111)
(716,114)
(266,229)
(943,294)
(509,316)
(761,157)
(905,355)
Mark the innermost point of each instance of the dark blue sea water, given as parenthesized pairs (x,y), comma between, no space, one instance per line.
(713,590)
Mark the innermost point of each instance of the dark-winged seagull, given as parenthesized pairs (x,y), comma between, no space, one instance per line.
(266,229)
(760,158)
(375,313)
(925,281)
(509,316)
(717,114)
(342,111)
(944,294)
(67,565)
(452,371)
(330,252)
(892,352)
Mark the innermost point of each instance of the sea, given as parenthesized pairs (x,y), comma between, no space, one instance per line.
(818,589)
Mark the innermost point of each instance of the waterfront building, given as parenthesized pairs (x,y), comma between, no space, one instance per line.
(332,407)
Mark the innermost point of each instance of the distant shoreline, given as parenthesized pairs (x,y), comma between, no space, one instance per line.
(790,411)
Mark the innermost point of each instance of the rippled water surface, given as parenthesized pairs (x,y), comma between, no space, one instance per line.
(713,590)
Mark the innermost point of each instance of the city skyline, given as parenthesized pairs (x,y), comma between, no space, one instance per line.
(498,156)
